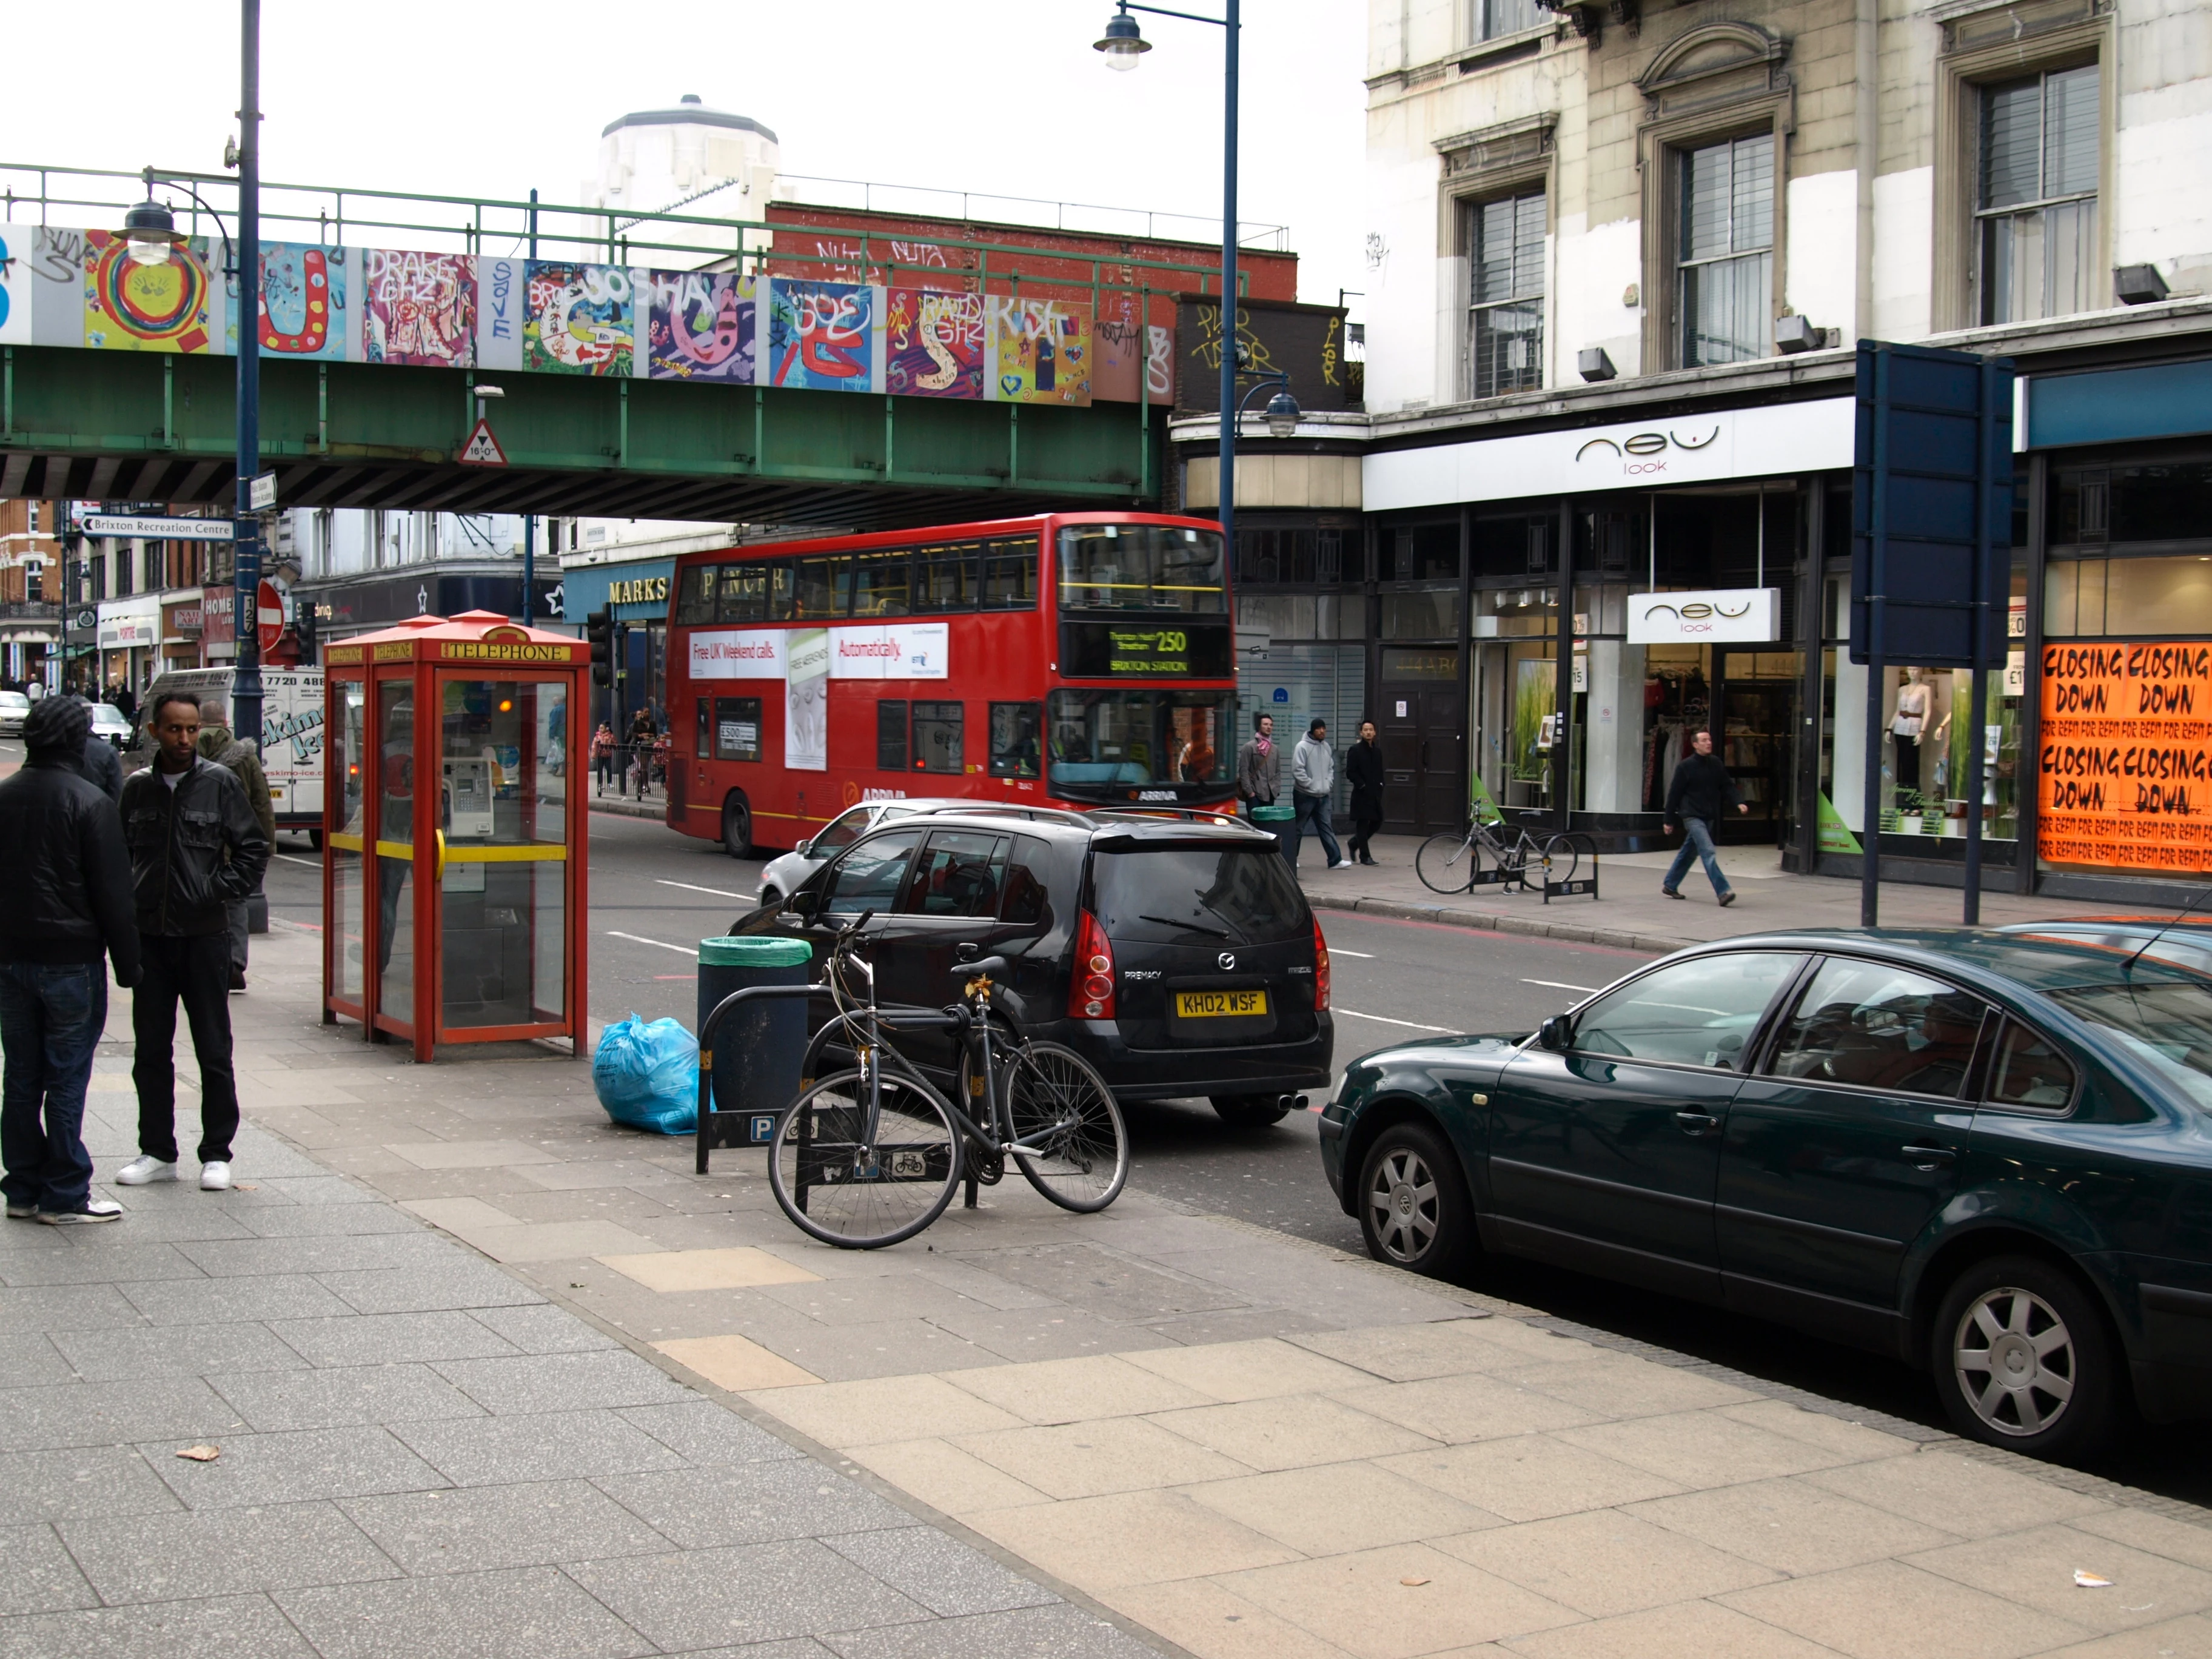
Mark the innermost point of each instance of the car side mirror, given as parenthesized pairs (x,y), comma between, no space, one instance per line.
(805,848)
(1555,1033)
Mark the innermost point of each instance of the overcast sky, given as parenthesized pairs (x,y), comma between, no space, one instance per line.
(988,95)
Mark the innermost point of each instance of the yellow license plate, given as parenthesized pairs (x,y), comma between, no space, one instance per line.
(1220,1005)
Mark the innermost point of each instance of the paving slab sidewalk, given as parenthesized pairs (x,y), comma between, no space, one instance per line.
(492,1375)
(1630,913)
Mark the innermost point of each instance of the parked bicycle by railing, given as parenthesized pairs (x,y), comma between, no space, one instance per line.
(872,1154)
(1481,855)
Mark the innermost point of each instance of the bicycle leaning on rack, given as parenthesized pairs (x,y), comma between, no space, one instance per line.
(1481,856)
(872,1153)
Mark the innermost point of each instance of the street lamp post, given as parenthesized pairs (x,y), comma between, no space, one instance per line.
(245,545)
(1124,44)
(151,231)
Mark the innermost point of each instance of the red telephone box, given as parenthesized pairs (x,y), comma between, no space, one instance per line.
(454,832)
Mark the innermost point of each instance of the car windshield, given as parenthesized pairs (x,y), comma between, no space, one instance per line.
(1139,737)
(108,712)
(1198,896)
(2166,1024)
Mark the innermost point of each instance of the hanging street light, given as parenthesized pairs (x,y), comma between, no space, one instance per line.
(1123,42)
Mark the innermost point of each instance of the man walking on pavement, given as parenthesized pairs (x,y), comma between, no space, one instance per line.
(196,847)
(1701,791)
(243,761)
(67,904)
(97,762)
(1313,776)
(1257,766)
(1363,770)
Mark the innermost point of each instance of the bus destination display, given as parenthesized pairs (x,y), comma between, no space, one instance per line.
(1101,650)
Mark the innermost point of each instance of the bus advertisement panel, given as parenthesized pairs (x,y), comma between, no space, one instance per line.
(1077,659)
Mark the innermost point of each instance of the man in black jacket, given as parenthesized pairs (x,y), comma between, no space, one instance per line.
(1363,770)
(98,762)
(1701,791)
(195,847)
(66,902)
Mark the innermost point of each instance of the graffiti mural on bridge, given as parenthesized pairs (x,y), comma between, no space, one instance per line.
(417,308)
(935,343)
(128,306)
(577,319)
(1041,350)
(825,335)
(304,303)
(700,326)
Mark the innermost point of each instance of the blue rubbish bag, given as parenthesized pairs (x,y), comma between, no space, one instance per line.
(647,1075)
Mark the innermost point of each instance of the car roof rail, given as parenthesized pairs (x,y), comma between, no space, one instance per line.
(1180,814)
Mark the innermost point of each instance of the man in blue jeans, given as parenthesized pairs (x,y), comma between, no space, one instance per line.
(65,904)
(1701,791)
(1312,776)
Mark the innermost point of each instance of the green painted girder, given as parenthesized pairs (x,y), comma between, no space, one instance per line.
(367,434)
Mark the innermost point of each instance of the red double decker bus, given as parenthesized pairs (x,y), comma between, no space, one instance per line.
(1072,659)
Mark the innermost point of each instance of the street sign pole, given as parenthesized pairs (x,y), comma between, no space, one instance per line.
(1877,670)
(246,547)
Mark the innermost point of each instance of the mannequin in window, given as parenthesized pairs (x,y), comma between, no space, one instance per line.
(1914,700)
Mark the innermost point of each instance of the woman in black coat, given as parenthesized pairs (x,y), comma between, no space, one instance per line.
(1363,770)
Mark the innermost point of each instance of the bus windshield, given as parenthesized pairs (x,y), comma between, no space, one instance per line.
(1138,738)
(1141,566)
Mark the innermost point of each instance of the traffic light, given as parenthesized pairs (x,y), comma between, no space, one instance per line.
(303,629)
(599,630)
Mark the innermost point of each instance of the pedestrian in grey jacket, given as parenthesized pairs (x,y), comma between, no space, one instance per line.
(1312,776)
(1258,765)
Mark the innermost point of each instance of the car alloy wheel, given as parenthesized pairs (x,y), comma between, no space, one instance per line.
(2015,1361)
(1403,1205)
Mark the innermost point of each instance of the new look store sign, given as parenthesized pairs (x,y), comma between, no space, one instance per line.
(1727,615)
(1649,455)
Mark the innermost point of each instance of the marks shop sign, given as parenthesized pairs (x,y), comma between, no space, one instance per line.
(1777,440)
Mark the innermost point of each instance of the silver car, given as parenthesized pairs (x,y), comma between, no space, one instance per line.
(107,723)
(781,877)
(15,710)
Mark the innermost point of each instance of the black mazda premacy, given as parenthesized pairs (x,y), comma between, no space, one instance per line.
(1176,955)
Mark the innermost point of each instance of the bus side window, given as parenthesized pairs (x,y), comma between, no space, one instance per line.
(782,584)
(695,598)
(744,594)
(1014,729)
(702,740)
(891,735)
(881,583)
(737,729)
(937,732)
(945,577)
(1010,575)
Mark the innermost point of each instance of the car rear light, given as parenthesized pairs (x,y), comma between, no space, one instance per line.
(1321,969)
(1090,985)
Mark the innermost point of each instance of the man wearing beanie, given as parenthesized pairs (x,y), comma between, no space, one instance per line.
(194,849)
(66,903)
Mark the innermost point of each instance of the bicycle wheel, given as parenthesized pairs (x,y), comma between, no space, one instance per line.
(1080,1154)
(1445,864)
(856,1195)
(1561,860)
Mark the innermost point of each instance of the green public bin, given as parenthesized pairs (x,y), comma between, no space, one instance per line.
(758,1049)
(1276,822)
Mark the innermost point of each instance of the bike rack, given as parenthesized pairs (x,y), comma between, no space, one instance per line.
(1586,846)
(759,1127)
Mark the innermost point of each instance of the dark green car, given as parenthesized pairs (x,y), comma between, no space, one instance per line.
(1990,1153)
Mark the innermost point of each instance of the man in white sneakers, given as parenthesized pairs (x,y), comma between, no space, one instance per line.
(196,848)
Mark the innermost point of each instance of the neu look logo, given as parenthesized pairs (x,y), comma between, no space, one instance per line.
(1636,455)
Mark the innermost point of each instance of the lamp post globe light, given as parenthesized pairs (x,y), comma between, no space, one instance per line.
(1123,44)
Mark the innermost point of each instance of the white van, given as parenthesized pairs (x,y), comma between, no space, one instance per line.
(291,734)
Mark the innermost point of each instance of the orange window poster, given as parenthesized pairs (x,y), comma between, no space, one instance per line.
(2124,772)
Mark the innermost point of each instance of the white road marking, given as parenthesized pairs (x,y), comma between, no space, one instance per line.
(1385,1019)
(688,887)
(1339,950)
(294,858)
(1559,985)
(639,938)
